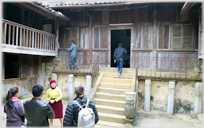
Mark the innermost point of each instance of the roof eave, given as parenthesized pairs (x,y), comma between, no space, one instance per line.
(186,7)
(47,11)
(99,5)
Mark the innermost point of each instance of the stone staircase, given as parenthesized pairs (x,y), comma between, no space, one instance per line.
(110,99)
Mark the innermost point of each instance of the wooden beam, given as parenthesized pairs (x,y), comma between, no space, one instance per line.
(186,7)
(25,50)
(57,35)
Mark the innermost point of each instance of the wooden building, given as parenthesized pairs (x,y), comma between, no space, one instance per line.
(30,34)
(146,29)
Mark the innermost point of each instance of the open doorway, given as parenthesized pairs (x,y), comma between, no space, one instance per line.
(123,37)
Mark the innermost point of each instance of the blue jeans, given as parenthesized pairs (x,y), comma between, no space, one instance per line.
(72,62)
(120,65)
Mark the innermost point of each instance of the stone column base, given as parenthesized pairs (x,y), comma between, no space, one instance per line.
(129,122)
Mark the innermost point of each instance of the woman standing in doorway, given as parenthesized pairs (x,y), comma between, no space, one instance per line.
(54,96)
(14,109)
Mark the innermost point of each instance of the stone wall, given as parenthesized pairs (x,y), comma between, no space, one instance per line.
(62,82)
(184,96)
(24,85)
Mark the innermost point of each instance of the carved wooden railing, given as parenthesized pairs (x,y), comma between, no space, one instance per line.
(20,35)
(87,65)
(169,68)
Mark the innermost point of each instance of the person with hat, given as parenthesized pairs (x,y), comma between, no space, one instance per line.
(73,55)
(37,112)
(13,108)
(54,96)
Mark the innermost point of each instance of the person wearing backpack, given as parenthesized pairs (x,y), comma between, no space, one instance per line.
(78,107)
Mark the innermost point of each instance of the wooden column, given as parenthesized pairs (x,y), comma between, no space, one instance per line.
(57,35)
(154,42)
(90,34)
(3,67)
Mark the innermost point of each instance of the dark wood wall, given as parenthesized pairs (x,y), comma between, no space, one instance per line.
(155,31)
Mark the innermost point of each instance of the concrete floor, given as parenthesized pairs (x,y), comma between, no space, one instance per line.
(143,119)
(162,119)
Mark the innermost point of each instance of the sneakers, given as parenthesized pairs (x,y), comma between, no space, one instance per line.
(119,74)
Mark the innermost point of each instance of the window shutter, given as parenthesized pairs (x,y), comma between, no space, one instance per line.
(67,39)
(142,37)
(176,41)
(138,39)
(100,37)
(163,37)
(84,38)
(182,37)
(71,34)
(187,37)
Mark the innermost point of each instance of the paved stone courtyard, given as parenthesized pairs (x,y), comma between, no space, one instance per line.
(161,119)
(153,118)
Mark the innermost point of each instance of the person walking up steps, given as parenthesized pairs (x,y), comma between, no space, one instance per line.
(119,54)
(73,55)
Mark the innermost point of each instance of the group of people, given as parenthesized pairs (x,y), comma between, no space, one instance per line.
(37,112)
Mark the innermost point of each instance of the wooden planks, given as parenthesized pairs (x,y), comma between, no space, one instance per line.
(143,37)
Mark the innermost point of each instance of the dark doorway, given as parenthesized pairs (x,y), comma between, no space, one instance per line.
(11,66)
(120,36)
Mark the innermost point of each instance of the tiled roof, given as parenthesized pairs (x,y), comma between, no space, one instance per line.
(50,9)
(82,3)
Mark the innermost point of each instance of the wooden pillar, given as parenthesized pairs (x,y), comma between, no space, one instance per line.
(57,35)
(3,67)
(154,43)
(90,34)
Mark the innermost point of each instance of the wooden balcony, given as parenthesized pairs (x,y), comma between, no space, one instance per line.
(21,39)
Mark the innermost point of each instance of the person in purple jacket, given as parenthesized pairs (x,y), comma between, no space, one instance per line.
(13,108)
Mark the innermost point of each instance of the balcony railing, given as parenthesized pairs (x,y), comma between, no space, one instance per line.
(18,35)
(87,65)
(169,68)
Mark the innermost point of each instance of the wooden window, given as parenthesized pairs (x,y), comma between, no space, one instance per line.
(100,37)
(143,37)
(84,38)
(28,18)
(163,40)
(69,35)
(182,37)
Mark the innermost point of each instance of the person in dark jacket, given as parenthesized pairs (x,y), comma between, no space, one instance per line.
(73,55)
(14,109)
(119,54)
(72,110)
(37,112)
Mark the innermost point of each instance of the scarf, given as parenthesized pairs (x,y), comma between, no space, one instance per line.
(15,99)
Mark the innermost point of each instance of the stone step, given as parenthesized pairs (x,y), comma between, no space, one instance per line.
(112,103)
(110,110)
(112,118)
(110,96)
(116,80)
(115,75)
(112,90)
(108,124)
(200,118)
(115,85)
